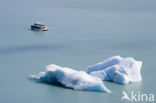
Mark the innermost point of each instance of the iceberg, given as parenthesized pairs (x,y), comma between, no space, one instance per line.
(117,69)
(77,80)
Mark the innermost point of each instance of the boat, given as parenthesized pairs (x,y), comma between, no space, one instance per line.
(39,27)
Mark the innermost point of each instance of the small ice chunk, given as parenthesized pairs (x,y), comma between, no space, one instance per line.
(118,69)
(78,80)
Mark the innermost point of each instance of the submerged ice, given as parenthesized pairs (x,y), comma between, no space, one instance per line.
(117,69)
(78,80)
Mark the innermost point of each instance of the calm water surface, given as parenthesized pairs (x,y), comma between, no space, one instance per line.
(81,33)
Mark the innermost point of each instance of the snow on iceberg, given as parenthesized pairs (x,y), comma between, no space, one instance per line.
(117,69)
(78,80)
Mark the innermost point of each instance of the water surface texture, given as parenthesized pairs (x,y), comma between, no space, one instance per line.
(82,33)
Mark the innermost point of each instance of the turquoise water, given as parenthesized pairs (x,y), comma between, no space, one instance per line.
(81,33)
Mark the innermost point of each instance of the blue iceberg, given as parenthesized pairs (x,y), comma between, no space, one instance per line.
(78,80)
(117,69)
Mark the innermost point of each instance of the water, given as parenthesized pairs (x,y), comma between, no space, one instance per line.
(82,33)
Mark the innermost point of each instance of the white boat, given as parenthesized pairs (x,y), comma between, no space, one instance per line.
(39,27)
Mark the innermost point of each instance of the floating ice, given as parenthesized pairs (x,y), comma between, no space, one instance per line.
(117,69)
(78,80)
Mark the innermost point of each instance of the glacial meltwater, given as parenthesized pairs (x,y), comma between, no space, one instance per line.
(81,34)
